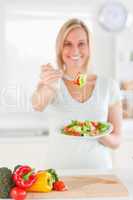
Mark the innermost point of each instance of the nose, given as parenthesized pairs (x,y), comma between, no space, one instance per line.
(75,50)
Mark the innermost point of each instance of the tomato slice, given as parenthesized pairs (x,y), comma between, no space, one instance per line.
(76,133)
(95,124)
(78,81)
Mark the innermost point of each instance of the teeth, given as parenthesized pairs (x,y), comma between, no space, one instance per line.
(76,57)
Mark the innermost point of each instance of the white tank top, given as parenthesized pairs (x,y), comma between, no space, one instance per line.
(69,153)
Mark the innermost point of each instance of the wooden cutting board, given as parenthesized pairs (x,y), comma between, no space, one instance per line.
(87,186)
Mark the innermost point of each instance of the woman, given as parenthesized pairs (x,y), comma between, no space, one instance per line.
(98,99)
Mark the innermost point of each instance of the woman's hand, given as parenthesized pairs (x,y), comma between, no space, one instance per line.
(49,76)
(115,117)
(47,87)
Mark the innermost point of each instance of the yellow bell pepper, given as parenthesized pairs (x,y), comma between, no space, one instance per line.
(43,183)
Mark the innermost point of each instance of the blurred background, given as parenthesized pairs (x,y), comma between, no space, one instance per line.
(28,30)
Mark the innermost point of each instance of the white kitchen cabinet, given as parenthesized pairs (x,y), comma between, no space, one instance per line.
(123,156)
(33,148)
(34,152)
(24,152)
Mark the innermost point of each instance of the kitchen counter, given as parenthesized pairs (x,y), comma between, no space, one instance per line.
(125,175)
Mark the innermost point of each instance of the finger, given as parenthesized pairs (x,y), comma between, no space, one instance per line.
(45,67)
(47,78)
(49,66)
(51,78)
(48,69)
(49,73)
(52,72)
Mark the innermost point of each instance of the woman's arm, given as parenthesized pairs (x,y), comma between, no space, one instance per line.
(46,90)
(115,117)
(43,96)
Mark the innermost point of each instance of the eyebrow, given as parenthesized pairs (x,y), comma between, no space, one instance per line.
(71,41)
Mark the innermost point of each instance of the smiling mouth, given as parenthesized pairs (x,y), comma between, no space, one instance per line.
(75,58)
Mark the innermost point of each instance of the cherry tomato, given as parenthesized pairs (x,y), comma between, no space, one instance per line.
(59,186)
(17,193)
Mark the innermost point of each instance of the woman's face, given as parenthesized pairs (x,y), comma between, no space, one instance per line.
(75,50)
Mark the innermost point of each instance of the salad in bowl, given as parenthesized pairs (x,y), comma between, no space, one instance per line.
(87,129)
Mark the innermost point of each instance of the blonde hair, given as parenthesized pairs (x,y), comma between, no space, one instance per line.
(64,31)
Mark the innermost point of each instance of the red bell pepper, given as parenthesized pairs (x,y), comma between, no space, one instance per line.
(24,176)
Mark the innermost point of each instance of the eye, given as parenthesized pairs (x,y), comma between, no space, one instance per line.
(82,44)
(67,44)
